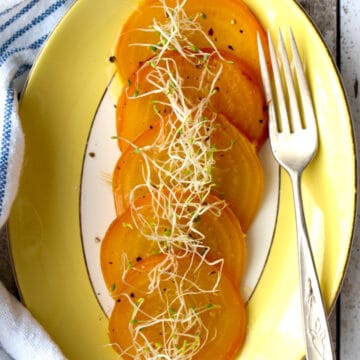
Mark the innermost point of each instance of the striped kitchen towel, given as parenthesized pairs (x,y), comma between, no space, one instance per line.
(24,27)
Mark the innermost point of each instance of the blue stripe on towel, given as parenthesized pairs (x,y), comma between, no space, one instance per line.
(18,15)
(34,22)
(38,43)
(5,141)
(34,46)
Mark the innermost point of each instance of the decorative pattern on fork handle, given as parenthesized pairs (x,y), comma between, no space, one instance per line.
(315,329)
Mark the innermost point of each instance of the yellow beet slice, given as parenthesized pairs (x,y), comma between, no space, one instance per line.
(223,235)
(221,313)
(237,173)
(238,95)
(230,25)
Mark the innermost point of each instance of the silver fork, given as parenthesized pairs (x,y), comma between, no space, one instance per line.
(294,142)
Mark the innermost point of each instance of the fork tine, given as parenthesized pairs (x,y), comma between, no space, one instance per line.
(267,87)
(292,97)
(309,115)
(264,71)
(282,108)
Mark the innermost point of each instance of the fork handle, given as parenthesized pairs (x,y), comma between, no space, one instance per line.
(316,327)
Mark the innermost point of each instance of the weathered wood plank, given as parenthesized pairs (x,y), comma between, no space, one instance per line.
(324,15)
(350,68)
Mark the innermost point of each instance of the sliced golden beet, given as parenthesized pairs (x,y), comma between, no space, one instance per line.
(223,236)
(231,26)
(212,322)
(237,173)
(239,96)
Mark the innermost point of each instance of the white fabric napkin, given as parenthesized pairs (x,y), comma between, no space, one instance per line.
(20,335)
(24,27)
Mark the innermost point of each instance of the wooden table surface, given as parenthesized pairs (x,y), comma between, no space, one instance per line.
(338,22)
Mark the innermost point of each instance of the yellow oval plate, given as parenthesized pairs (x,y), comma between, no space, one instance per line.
(58,106)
